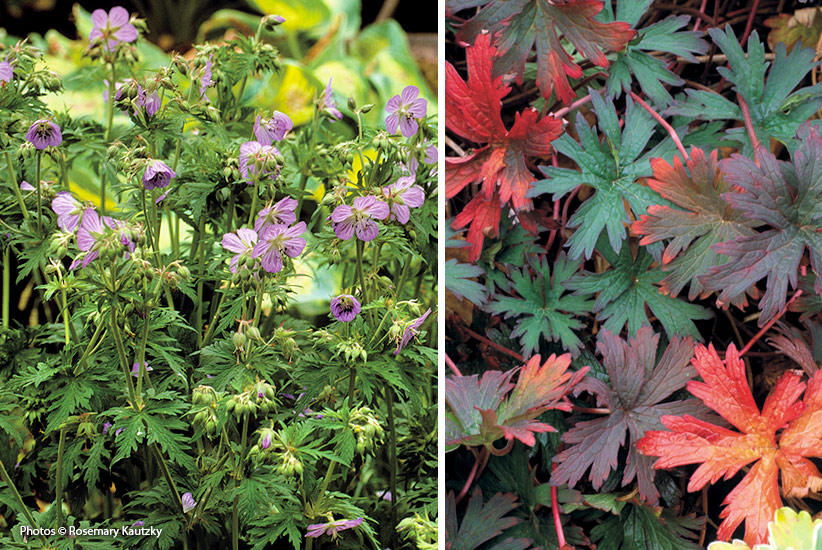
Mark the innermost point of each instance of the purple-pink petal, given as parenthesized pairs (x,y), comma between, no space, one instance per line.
(345,307)
(408,126)
(44,133)
(366,230)
(411,330)
(99,18)
(344,230)
(118,16)
(392,121)
(6,72)
(91,228)
(409,94)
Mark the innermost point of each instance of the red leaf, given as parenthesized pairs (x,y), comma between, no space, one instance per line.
(472,111)
(722,452)
(518,25)
(483,215)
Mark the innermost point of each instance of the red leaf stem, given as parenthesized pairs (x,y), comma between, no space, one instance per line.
(664,124)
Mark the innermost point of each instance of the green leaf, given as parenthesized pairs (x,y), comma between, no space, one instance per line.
(458,280)
(610,166)
(481,522)
(652,72)
(545,309)
(628,287)
(641,527)
(775,111)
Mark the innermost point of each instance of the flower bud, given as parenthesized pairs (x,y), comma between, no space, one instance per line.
(367,107)
(239,340)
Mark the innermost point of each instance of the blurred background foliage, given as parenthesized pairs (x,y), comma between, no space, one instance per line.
(369,55)
(364,47)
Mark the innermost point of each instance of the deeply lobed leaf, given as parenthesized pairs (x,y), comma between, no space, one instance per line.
(636,400)
(721,452)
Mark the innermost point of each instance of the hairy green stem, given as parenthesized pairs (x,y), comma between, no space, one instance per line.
(6,285)
(58,497)
(66,316)
(15,186)
(121,352)
(361,276)
(403,276)
(89,347)
(39,198)
(301,198)
(167,475)
(392,483)
(110,106)
(213,324)
(238,473)
(4,475)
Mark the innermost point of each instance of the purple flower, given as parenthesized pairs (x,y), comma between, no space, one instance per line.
(276,240)
(112,27)
(26,186)
(272,129)
(328,103)
(68,210)
(253,156)
(345,307)
(151,104)
(6,72)
(188,502)
(411,330)
(138,523)
(332,527)
(157,175)
(135,369)
(92,234)
(89,235)
(281,213)
(266,442)
(402,196)
(431,154)
(358,218)
(44,133)
(404,111)
(242,244)
(106,427)
(205,76)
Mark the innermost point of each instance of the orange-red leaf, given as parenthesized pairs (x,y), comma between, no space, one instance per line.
(723,453)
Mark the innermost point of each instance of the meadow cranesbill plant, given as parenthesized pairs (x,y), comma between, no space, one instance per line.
(228,330)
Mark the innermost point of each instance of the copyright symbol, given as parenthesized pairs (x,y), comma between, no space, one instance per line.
(61,531)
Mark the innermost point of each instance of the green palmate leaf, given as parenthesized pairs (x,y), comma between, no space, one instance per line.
(637,397)
(775,111)
(652,73)
(545,309)
(640,527)
(628,287)
(703,219)
(785,198)
(611,165)
(481,522)
(458,280)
